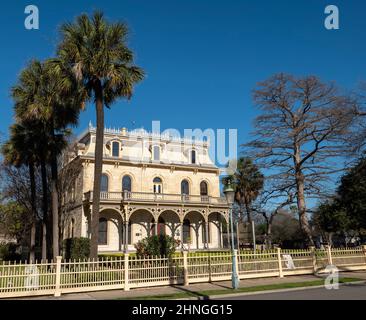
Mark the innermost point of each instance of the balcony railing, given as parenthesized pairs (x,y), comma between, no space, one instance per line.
(156,197)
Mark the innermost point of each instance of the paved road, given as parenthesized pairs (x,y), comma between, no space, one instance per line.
(345,292)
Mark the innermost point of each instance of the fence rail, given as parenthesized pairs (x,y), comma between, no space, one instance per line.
(60,276)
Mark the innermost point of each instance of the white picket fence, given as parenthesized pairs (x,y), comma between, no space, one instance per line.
(60,276)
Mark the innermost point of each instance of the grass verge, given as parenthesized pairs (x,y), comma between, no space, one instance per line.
(207,293)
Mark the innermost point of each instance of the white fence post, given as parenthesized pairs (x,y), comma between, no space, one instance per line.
(313,256)
(329,254)
(127,287)
(58,276)
(185,268)
(280,271)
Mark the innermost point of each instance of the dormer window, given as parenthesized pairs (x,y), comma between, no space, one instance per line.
(193,156)
(156,153)
(115,149)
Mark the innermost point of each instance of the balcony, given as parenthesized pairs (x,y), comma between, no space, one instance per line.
(141,197)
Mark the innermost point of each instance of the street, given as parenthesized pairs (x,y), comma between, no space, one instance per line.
(345,292)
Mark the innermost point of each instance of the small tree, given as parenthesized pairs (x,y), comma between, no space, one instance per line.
(157,245)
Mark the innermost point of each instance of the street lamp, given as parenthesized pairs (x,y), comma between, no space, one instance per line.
(230,194)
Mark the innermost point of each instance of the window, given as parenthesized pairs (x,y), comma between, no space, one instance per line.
(203,188)
(184,186)
(193,157)
(158,185)
(115,149)
(102,231)
(156,153)
(104,183)
(186,231)
(126,183)
(72,227)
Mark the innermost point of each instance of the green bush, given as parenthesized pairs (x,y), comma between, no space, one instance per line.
(76,248)
(8,252)
(161,245)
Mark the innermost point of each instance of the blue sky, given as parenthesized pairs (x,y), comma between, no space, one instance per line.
(202,57)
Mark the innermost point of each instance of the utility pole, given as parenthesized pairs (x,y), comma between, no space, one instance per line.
(253,235)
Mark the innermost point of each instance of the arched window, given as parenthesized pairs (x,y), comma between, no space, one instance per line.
(104,183)
(193,156)
(204,191)
(115,149)
(156,153)
(102,231)
(72,227)
(186,231)
(203,188)
(184,187)
(126,183)
(158,185)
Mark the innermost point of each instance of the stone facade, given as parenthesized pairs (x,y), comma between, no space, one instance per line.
(151,184)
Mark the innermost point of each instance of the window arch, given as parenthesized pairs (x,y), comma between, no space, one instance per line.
(104,183)
(193,156)
(103,231)
(157,185)
(126,183)
(115,149)
(184,187)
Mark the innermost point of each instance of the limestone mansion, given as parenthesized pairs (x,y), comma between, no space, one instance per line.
(151,184)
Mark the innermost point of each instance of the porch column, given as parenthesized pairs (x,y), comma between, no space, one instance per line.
(221,236)
(206,235)
(126,236)
(181,235)
(156,227)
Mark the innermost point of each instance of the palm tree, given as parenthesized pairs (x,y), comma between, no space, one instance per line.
(20,150)
(248,182)
(42,97)
(96,52)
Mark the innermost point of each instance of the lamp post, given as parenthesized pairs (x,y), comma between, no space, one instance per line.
(229,194)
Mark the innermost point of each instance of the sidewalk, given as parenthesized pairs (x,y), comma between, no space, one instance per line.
(166,290)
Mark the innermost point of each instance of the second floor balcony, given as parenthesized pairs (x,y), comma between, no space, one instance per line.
(139,197)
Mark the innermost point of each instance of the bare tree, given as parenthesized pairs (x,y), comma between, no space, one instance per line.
(300,136)
(272,201)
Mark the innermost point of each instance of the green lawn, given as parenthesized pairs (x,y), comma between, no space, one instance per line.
(202,294)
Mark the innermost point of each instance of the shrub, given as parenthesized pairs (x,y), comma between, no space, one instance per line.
(8,252)
(161,245)
(76,248)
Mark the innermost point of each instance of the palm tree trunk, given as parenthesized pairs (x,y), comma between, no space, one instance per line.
(45,208)
(98,167)
(248,210)
(54,196)
(34,211)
